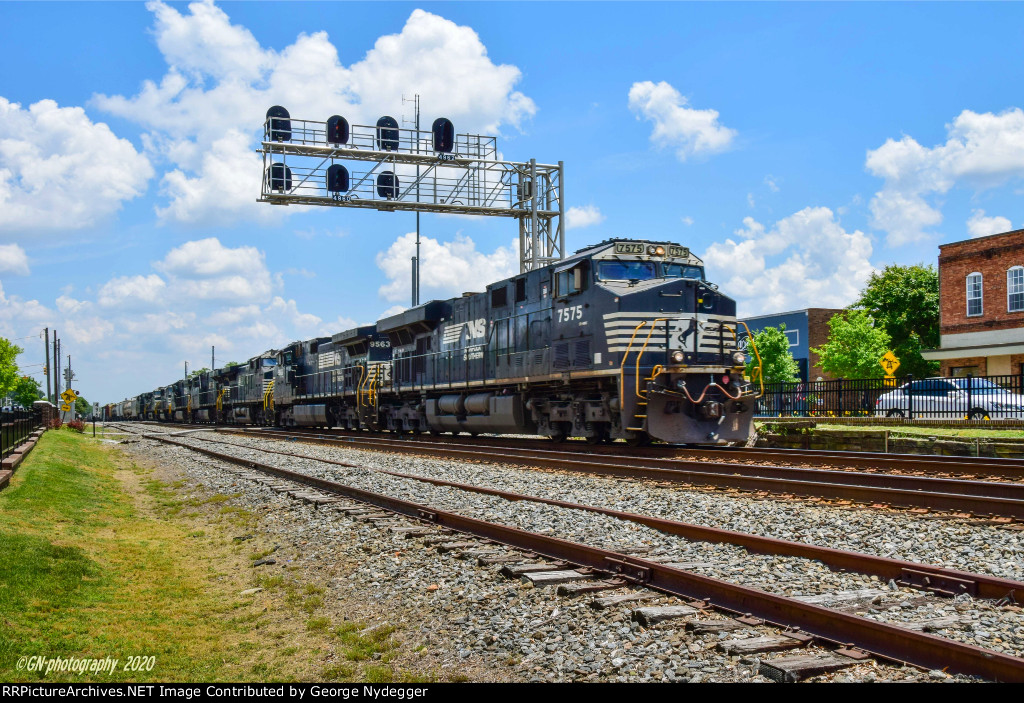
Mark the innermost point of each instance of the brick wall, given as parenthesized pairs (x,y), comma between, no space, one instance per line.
(991,256)
(817,334)
(947,365)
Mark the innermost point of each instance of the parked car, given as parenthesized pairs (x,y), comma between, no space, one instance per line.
(951,398)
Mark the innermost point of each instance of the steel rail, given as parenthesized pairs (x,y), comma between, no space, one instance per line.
(941,580)
(956,495)
(881,639)
(996,467)
(978,466)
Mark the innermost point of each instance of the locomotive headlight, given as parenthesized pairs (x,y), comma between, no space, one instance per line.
(677,357)
(659,251)
(739,358)
(650,250)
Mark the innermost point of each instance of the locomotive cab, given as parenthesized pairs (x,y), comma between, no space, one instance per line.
(646,309)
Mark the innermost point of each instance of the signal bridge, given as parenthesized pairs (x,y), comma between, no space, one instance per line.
(391,168)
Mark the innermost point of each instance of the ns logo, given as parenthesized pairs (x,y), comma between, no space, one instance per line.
(475,329)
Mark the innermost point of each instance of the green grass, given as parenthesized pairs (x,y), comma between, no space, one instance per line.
(83,573)
(940,432)
(99,559)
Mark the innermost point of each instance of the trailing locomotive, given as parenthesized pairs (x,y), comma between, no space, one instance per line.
(623,340)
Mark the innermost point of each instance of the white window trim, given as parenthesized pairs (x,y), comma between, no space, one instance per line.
(796,337)
(981,298)
(1008,291)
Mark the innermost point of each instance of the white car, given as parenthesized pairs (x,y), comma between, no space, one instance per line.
(951,399)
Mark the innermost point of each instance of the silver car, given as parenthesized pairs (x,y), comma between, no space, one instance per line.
(951,399)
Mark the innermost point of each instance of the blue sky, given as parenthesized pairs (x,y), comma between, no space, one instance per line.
(796,147)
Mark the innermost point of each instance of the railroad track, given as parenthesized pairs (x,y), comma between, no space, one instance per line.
(961,497)
(801,622)
(946,466)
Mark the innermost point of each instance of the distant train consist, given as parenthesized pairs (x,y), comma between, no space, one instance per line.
(622,340)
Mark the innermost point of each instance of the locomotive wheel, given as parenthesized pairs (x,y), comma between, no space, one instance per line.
(640,440)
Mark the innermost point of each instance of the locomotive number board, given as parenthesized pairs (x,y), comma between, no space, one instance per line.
(640,248)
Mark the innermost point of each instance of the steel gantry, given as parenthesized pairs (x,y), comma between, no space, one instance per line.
(465,175)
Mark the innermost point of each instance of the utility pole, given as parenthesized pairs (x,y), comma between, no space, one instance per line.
(49,398)
(213,366)
(416,259)
(56,367)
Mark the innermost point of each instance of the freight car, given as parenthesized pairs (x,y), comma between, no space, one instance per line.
(623,340)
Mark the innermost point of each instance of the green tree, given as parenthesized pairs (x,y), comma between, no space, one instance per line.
(8,368)
(26,391)
(904,301)
(855,345)
(193,374)
(83,407)
(777,363)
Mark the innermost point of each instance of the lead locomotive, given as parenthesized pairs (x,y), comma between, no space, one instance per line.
(623,340)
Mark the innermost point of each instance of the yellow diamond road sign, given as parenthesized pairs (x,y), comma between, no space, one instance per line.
(890,363)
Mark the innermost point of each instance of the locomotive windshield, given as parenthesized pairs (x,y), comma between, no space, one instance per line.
(683,271)
(626,270)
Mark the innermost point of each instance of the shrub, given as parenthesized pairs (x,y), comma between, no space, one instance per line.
(76,425)
(55,423)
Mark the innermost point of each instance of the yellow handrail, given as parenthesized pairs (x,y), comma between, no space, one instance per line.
(757,355)
(622,364)
(359,387)
(220,399)
(654,324)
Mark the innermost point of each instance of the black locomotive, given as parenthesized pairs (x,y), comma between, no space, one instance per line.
(623,340)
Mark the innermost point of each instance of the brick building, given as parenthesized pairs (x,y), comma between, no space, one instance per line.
(981,304)
(805,329)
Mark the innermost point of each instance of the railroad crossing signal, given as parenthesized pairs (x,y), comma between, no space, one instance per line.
(890,363)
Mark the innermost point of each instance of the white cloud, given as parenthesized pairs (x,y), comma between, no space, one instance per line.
(13,260)
(339,324)
(206,269)
(806,259)
(982,150)
(20,318)
(447,269)
(87,330)
(60,171)
(69,306)
(576,217)
(688,221)
(290,311)
(688,130)
(203,116)
(132,290)
(769,181)
(981,226)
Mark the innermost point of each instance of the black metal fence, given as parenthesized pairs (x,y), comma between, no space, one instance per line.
(15,428)
(961,398)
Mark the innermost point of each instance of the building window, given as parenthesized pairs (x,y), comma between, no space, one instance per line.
(1015,289)
(793,336)
(973,294)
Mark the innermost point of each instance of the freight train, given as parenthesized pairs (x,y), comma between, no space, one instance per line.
(622,340)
